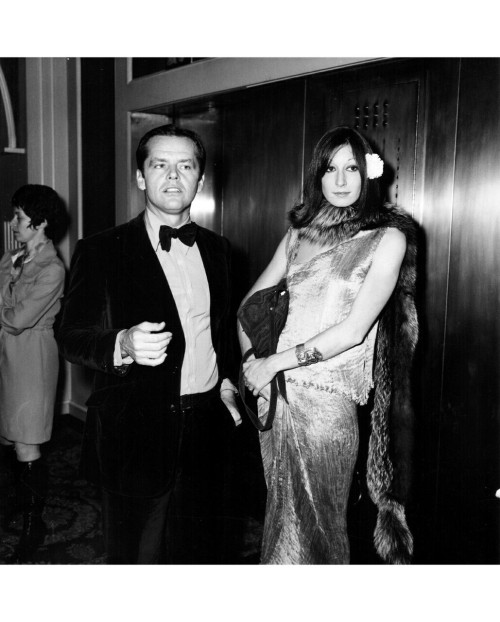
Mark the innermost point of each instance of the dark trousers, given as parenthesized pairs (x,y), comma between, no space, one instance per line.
(134,528)
(185,524)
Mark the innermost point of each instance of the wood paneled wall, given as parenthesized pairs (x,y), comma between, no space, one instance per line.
(435,214)
(469,459)
(262,173)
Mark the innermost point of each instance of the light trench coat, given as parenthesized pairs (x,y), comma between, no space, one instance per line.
(29,362)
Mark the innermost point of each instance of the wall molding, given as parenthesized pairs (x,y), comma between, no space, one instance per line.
(69,407)
(54,158)
(9,117)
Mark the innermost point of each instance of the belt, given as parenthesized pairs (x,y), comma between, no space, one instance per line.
(192,400)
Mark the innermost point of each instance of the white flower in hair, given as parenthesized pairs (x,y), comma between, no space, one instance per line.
(374,166)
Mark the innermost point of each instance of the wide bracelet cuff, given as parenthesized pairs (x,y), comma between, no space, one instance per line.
(307,357)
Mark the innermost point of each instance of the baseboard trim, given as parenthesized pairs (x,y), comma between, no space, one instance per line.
(69,407)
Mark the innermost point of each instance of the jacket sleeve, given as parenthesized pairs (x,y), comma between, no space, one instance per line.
(17,316)
(86,335)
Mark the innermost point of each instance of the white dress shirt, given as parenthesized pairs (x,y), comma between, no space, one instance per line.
(186,276)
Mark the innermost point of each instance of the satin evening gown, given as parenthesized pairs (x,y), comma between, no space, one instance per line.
(310,453)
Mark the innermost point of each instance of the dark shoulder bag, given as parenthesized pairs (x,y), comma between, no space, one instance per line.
(263,316)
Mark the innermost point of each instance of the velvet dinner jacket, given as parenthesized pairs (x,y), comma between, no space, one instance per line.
(117,282)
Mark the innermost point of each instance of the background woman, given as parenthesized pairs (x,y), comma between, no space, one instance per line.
(349,262)
(31,286)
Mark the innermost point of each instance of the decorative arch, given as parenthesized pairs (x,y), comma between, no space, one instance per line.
(9,116)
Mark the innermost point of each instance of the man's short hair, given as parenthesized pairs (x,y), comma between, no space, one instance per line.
(142,151)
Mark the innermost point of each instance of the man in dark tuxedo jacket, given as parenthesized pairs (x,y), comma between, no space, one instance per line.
(147,308)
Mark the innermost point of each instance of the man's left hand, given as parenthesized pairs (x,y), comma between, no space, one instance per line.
(229,398)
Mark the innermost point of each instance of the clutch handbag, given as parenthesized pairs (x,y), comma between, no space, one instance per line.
(263,316)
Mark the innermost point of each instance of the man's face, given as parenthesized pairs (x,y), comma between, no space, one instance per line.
(170,178)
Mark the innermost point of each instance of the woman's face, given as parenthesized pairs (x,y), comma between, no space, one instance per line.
(341,184)
(20,225)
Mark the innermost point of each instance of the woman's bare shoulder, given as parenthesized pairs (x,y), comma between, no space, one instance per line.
(391,249)
(394,239)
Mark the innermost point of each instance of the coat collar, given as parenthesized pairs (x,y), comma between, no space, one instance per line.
(43,258)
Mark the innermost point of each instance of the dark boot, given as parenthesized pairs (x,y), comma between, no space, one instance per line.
(32,487)
(10,470)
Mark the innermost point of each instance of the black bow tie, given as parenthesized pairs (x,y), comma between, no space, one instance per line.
(186,234)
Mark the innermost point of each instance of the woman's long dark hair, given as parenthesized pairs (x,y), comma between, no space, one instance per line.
(369,204)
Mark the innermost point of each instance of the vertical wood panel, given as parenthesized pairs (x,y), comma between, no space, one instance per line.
(470,445)
(436,205)
(262,173)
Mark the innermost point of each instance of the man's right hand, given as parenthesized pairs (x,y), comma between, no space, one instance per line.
(145,343)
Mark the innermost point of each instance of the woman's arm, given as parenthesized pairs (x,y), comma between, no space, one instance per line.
(274,272)
(371,299)
(48,287)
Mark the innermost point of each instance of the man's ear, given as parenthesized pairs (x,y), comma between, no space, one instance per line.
(141,184)
(200,183)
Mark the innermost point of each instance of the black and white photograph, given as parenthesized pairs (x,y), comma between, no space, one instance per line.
(250,316)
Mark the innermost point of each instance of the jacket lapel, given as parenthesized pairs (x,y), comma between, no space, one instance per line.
(143,268)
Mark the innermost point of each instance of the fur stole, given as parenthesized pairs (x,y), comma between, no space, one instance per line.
(391,438)
(331,225)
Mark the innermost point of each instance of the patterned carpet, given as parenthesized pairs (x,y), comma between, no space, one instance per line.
(73,509)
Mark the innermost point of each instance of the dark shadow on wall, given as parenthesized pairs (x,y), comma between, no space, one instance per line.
(98,144)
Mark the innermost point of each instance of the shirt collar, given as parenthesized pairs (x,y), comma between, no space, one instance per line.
(153,224)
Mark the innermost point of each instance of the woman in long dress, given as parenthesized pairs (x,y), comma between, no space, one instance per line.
(342,258)
(31,287)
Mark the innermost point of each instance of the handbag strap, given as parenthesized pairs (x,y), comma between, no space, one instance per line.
(277,385)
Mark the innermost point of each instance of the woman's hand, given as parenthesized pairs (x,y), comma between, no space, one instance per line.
(258,373)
